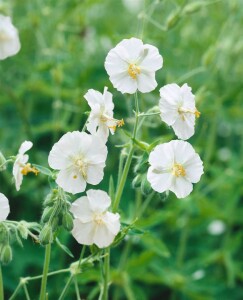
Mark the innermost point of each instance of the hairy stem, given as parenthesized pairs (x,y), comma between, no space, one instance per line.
(66,287)
(106,275)
(45,272)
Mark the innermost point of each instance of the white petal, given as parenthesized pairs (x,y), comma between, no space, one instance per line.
(160,182)
(146,82)
(130,49)
(194,169)
(83,232)
(5,210)
(169,113)
(184,128)
(95,173)
(181,187)
(112,222)
(188,97)
(153,61)
(93,98)
(171,93)
(124,83)
(162,156)
(99,201)
(71,181)
(97,151)
(25,146)
(18,176)
(103,237)
(114,64)
(183,151)
(81,209)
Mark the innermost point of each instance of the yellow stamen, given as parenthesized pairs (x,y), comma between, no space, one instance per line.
(114,122)
(134,70)
(82,167)
(178,170)
(98,218)
(183,110)
(28,169)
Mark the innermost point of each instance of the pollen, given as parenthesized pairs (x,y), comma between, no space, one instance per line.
(182,111)
(178,170)
(133,71)
(28,169)
(98,219)
(82,167)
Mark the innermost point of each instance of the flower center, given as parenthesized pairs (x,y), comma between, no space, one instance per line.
(98,219)
(134,70)
(28,169)
(178,170)
(82,167)
(182,111)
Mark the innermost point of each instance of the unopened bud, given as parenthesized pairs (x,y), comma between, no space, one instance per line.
(3,234)
(67,221)
(137,181)
(6,255)
(46,235)
(50,198)
(23,230)
(173,19)
(46,214)
(145,186)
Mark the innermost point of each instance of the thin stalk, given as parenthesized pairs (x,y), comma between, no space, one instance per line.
(1,284)
(45,272)
(128,161)
(106,275)
(66,287)
(48,274)
(81,256)
(26,292)
(76,288)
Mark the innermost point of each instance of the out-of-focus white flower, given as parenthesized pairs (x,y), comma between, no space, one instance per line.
(80,157)
(93,224)
(174,166)
(131,66)
(199,274)
(177,107)
(4,205)
(9,38)
(101,116)
(216,227)
(21,167)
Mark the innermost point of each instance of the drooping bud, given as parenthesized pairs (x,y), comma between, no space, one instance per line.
(46,235)
(3,234)
(6,255)
(145,185)
(51,198)
(23,230)
(46,214)
(67,221)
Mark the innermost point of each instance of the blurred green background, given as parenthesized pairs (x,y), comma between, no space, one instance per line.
(194,249)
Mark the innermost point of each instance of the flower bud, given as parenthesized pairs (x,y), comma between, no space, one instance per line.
(46,235)
(145,186)
(3,234)
(6,255)
(50,198)
(173,19)
(55,223)
(46,214)
(23,230)
(2,162)
(67,221)
(137,181)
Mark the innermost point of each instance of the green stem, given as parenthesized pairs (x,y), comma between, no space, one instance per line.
(81,256)
(45,272)
(26,292)
(16,291)
(1,284)
(106,275)
(76,288)
(66,287)
(128,161)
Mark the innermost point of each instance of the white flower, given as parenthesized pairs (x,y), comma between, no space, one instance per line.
(101,116)
(80,157)
(21,167)
(131,66)
(9,38)
(4,211)
(177,107)
(93,224)
(216,227)
(174,166)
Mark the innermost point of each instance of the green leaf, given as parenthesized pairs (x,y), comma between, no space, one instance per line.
(155,244)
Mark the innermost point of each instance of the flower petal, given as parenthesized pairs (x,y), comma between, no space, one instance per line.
(81,209)
(146,82)
(5,209)
(181,187)
(83,232)
(160,182)
(103,237)
(71,181)
(152,61)
(99,201)
(25,146)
